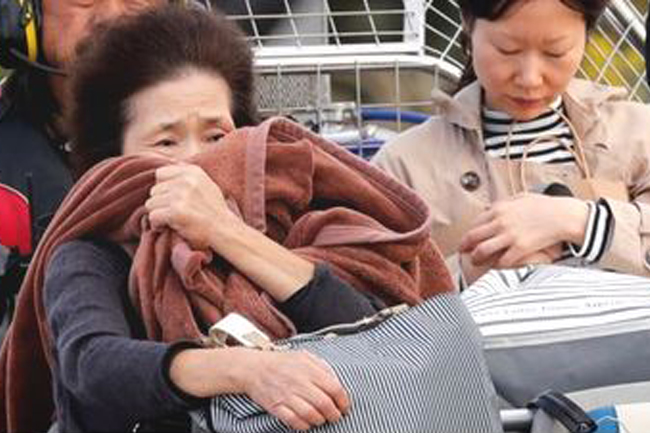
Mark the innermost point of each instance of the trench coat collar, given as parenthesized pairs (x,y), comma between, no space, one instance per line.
(582,100)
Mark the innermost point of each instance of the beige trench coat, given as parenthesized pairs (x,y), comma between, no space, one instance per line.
(445,162)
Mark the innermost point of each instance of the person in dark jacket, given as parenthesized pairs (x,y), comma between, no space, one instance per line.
(34,165)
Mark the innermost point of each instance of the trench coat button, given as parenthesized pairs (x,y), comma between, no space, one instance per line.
(470,181)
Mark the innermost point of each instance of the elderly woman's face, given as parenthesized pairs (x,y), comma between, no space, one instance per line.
(179,117)
(524,59)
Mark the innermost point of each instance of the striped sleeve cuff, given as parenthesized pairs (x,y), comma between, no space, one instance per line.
(600,226)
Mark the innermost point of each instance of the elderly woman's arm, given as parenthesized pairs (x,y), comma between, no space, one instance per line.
(187,200)
(107,380)
(104,378)
(296,387)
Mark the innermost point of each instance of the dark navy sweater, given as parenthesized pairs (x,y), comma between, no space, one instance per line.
(107,376)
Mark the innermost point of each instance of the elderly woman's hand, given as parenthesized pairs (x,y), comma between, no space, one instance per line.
(188,201)
(525,229)
(299,389)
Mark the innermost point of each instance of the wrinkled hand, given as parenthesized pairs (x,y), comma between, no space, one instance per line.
(185,199)
(299,389)
(525,229)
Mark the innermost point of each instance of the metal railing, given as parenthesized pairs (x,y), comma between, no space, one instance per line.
(327,62)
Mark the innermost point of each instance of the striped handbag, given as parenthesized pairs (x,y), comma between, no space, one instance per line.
(420,370)
(563,328)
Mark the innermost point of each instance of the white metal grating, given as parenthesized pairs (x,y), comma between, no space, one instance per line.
(327,62)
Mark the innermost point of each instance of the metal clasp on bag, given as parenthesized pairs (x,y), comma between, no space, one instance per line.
(359,325)
(241,330)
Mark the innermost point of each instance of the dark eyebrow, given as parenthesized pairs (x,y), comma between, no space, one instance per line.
(215,120)
(167,126)
(219,121)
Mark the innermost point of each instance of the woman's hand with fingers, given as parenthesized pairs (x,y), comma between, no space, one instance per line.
(525,229)
(186,200)
(298,388)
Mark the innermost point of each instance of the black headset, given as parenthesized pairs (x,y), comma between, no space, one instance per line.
(21,22)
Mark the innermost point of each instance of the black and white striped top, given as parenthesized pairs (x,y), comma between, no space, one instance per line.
(498,126)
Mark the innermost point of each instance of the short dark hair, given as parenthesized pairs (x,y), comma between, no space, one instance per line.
(492,10)
(132,53)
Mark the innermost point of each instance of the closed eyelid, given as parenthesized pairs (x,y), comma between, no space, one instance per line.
(83,3)
(505,46)
(559,49)
(507,50)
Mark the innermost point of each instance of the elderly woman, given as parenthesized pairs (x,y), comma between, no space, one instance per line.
(166,90)
(526,163)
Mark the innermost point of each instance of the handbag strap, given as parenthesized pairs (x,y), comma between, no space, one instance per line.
(245,333)
(240,329)
(566,411)
(577,152)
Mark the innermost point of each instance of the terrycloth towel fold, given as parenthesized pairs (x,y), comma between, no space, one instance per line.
(300,190)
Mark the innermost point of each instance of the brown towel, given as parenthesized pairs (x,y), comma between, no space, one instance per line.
(300,190)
